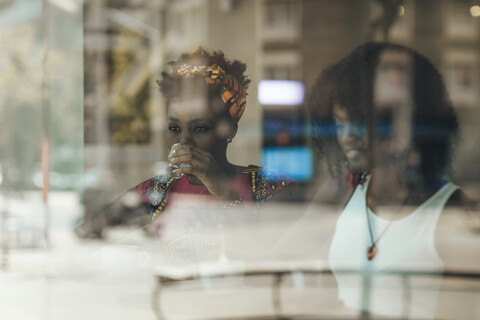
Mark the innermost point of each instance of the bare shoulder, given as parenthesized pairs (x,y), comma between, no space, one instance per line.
(457,235)
(462,206)
(460,199)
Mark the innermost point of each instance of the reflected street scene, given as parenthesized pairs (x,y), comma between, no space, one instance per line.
(239,159)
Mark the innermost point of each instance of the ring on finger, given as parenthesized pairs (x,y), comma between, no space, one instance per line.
(187,165)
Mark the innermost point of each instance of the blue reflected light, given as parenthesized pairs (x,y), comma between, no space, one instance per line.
(295,161)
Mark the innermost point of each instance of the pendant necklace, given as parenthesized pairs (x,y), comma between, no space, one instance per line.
(372,250)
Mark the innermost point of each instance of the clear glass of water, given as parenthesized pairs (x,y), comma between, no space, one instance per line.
(172,167)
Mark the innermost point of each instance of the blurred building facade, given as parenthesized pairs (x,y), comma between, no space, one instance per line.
(129,42)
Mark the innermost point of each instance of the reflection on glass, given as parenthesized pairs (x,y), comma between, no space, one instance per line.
(83,120)
(388,237)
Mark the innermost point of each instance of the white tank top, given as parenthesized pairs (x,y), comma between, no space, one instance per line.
(407,245)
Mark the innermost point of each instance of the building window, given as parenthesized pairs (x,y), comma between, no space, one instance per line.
(281,19)
(459,23)
(462,77)
(280,14)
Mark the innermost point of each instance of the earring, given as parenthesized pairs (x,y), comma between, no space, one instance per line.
(229,140)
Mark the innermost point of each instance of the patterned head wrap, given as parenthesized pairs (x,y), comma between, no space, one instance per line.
(232,94)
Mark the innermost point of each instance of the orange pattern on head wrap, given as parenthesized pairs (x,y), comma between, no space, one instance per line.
(233,95)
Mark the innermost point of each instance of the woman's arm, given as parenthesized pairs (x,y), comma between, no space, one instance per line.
(128,209)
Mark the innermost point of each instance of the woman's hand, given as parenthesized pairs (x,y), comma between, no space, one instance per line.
(201,164)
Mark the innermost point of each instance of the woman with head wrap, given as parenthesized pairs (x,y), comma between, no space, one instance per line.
(205,98)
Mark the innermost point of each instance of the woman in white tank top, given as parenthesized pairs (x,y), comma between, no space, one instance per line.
(394,131)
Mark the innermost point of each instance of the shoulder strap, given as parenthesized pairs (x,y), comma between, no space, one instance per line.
(440,198)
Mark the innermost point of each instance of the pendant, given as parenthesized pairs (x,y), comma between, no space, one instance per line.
(371,252)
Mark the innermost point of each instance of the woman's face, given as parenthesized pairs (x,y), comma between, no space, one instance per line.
(200,122)
(392,134)
(352,138)
(387,143)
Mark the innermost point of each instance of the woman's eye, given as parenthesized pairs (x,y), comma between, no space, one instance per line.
(359,129)
(173,128)
(355,129)
(201,129)
(340,127)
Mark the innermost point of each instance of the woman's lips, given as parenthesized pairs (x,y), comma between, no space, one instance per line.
(354,153)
